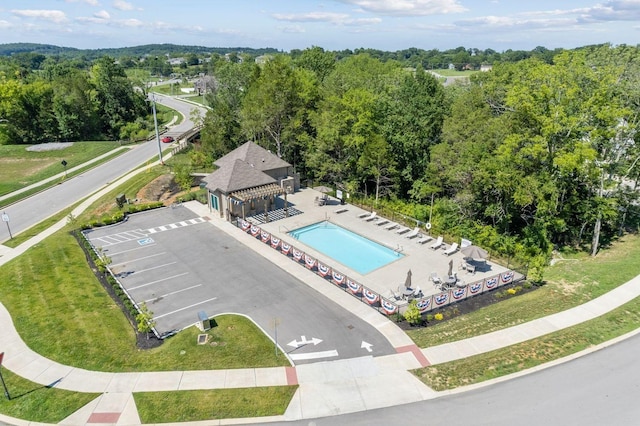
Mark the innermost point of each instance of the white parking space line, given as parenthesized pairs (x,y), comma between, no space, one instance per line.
(140,258)
(157,281)
(186,307)
(173,292)
(133,249)
(151,269)
(135,234)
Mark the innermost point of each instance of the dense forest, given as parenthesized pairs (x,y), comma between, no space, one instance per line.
(540,152)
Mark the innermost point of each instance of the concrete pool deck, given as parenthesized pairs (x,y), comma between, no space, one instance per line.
(419,258)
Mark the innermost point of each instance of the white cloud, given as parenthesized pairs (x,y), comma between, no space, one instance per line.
(408,7)
(311,17)
(89,2)
(56,16)
(292,29)
(122,5)
(103,14)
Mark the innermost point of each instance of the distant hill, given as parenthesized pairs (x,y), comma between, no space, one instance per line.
(9,49)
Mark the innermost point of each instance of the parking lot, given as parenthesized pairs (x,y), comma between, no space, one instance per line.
(181,264)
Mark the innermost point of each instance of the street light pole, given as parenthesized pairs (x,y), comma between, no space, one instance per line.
(155,122)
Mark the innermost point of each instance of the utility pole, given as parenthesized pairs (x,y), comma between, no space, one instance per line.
(155,122)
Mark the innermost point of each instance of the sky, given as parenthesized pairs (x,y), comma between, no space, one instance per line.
(331,24)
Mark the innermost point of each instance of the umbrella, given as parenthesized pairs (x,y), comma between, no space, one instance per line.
(407,282)
(323,189)
(451,268)
(474,252)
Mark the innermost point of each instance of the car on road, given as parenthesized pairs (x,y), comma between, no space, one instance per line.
(167,139)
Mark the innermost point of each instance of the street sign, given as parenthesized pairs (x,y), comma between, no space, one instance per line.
(5,217)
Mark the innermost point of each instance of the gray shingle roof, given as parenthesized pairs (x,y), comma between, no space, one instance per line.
(254,154)
(240,175)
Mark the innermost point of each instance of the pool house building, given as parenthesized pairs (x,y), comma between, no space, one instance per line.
(248,181)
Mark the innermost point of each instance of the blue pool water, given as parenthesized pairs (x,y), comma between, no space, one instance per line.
(352,250)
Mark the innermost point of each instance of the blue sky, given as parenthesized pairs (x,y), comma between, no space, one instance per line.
(331,24)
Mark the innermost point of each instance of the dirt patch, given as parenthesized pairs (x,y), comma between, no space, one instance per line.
(163,188)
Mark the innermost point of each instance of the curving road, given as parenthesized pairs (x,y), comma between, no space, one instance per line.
(600,388)
(27,213)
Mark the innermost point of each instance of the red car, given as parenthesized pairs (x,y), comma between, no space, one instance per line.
(167,139)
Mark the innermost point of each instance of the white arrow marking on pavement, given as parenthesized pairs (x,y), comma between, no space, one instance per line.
(366,346)
(314,355)
(303,341)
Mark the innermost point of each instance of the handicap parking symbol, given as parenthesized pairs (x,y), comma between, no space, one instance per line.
(145,241)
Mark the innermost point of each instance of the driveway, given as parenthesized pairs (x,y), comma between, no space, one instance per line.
(180,264)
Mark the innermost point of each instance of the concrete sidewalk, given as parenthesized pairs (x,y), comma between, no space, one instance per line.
(325,388)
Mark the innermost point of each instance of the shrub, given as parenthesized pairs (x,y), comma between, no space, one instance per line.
(511,291)
(438,317)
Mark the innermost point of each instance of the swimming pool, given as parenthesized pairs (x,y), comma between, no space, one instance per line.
(352,250)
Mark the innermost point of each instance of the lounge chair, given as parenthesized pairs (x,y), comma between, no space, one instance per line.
(437,244)
(381,222)
(424,239)
(435,279)
(417,293)
(402,230)
(391,226)
(413,233)
(341,210)
(394,295)
(372,216)
(363,215)
(451,250)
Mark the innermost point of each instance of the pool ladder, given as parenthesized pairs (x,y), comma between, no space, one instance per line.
(399,249)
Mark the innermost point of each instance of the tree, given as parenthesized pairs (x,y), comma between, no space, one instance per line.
(144,319)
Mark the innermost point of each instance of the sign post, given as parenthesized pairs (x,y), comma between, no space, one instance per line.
(4,385)
(5,219)
(64,164)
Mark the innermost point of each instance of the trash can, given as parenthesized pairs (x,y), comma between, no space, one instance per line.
(204,323)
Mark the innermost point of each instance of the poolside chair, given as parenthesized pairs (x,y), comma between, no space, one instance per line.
(363,215)
(413,233)
(437,244)
(402,230)
(394,295)
(417,293)
(371,217)
(435,279)
(391,226)
(424,239)
(341,210)
(381,222)
(451,250)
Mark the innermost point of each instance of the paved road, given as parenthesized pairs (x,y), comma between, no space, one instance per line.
(26,213)
(601,388)
(179,264)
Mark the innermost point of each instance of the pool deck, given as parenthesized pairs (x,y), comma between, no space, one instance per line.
(419,258)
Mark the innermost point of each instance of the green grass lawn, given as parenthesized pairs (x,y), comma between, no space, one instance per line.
(37,403)
(569,283)
(62,312)
(20,168)
(188,406)
(454,73)
(533,352)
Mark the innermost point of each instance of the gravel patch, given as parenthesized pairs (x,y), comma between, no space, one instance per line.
(51,146)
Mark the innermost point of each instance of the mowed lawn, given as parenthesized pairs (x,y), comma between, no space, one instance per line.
(20,168)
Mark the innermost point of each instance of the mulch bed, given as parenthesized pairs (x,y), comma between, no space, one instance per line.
(469,305)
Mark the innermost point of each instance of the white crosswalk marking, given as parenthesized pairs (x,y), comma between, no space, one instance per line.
(176,225)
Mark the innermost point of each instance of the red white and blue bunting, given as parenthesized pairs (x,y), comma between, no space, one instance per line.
(506,277)
(370,296)
(475,288)
(388,308)
(264,236)
(255,230)
(244,225)
(491,283)
(353,287)
(297,254)
(274,241)
(285,248)
(459,293)
(309,261)
(323,270)
(424,304)
(338,278)
(441,299)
